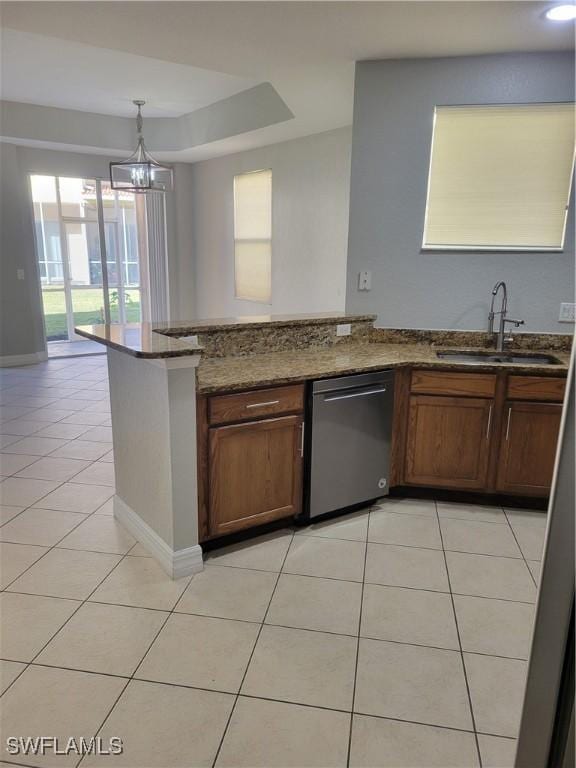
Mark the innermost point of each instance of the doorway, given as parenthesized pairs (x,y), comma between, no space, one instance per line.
(87,247)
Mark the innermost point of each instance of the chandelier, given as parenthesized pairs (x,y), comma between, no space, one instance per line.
(140,172)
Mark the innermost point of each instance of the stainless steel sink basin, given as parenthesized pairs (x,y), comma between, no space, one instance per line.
(479,357)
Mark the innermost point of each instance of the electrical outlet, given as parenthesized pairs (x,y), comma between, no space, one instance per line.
(343,329)
(567,313)
(365,280)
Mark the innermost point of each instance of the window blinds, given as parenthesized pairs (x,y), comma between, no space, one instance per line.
(500,177)
(253,235)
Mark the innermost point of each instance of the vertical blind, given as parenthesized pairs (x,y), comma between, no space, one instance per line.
(500,177)
(253,235)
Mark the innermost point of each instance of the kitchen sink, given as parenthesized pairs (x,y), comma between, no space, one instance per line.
(479,357)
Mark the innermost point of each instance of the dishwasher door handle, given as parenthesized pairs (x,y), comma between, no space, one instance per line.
(365,393)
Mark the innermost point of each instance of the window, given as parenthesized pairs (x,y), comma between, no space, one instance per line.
(500,177)
(253,236)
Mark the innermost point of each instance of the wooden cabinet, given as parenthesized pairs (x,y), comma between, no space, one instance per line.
(249,459)
(448,441)
(478,431)
(528,447)
(255,473)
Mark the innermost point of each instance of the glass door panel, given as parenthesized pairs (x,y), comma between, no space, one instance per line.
(75,289)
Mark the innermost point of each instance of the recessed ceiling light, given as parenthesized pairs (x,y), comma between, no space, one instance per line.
(566,12)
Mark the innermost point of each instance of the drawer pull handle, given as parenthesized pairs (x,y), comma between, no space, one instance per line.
(261,405)
(508,423)
(302,441)
(489,423)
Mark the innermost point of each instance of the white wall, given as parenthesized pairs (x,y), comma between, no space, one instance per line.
(310,195)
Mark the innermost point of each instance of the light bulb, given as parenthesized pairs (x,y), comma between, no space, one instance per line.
(561,12)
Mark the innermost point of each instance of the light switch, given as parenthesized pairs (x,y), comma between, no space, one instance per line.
(20,274)
(365,280)
(567,313)
(343,329)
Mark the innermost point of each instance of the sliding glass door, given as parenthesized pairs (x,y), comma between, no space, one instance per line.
(88,253)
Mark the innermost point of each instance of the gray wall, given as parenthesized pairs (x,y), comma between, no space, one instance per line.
(21,321)
(310,202)
(393,110)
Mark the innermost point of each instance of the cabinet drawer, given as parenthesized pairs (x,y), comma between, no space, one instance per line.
(536,388)
(454,384)
(224,409)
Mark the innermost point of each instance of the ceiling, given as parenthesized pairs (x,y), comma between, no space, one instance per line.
(183,56)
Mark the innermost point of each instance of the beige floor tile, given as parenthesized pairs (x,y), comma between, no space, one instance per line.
(164,726)
(84,418)
(495,627)
(409,616)
(63,431)
(476,512)
(272,734)
(139,551)
(71,403)
(6,440)
(8,512)
(9,671)
(409,682)
(110,639)
(141,582)
(264,553)
(107,508)
(99,473)
(100,533)
(418,507)
(479,538)
(395,566)
(98,434)
(44,527)
(328,558)
(530,529)
(36,446)
(22,492)
(378,743)
(77,498)
(302,667)
(65,573)
(54,469)
(21,427)
(28,623)
(535,568)
(485,576)
(108,457)
(353,526)
(497,690)
(228,593)
(82,449)
(408,530)
(200,651)
(497,752)
(326,605)
(10,463)
(65,704)
(15,559)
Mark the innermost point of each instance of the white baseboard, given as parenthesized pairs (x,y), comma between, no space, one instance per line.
(176,563)
(9,361)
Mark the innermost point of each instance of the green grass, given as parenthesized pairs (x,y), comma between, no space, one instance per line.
(88,309)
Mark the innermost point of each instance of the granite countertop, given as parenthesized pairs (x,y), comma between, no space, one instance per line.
(139,340)
(164,339)
(236,373)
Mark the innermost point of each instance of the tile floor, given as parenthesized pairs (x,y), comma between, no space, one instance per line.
(396,636)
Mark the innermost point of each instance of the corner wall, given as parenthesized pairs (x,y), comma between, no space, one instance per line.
(310,195)
(393,112)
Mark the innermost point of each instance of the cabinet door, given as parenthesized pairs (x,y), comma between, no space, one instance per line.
(448,441)
(255,473)
(528,447)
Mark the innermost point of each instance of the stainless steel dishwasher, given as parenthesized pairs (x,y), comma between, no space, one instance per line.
(349,448)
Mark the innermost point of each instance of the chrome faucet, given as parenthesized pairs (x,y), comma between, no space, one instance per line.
(500,339)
